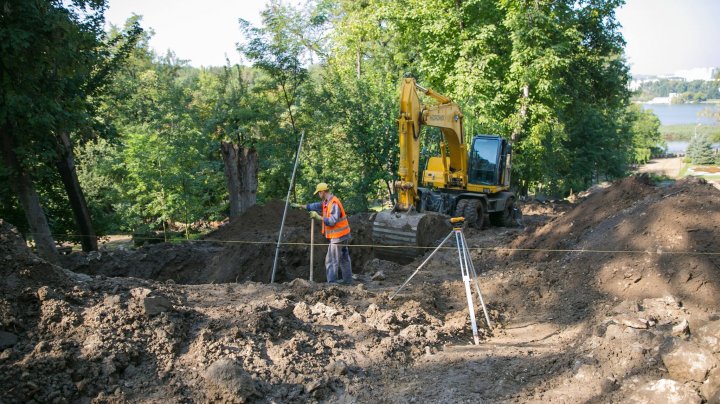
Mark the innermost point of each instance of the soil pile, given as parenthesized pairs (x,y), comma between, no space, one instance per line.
(124,339)
(635,240)
(636,319)
(241,251)
(21,270)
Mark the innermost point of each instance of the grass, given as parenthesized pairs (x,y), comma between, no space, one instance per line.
(179,238)
(688,170)
(684,170)
(686,132)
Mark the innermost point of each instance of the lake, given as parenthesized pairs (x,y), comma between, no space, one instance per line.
(680,146)
(682,114)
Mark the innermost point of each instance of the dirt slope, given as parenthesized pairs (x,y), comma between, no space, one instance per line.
(237,252)
(627,310)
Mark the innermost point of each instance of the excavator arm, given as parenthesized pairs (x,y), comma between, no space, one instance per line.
(402,228)
(445,115)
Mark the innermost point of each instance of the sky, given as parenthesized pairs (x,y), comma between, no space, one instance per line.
(204,32)
(663,36)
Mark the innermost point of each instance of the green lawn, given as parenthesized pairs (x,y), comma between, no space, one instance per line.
(689,170)
(686,132)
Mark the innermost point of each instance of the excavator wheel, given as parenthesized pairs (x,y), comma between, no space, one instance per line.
(460,208)
(475,213)
(504,218)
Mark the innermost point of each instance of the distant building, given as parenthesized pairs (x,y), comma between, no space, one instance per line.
(663,100)
(697,73)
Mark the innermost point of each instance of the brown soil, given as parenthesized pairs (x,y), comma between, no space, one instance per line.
(589,302)
(237,252)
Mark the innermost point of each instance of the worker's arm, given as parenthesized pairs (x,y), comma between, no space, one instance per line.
(334,212)
(316,206)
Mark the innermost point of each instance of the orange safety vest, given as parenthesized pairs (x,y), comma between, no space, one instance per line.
(342,227)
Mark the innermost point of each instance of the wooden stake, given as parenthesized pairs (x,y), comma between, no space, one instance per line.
(312,246)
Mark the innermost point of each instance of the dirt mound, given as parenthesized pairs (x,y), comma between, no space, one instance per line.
(21,269)
(125,339)
(598,206)
(241,251)
(636,240)
(636,319)
(259,222)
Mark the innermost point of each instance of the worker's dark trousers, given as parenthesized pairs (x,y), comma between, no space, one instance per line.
(338,257)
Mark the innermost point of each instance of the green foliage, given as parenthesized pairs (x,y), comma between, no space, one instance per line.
(700,151)
(549,75)
(687,131)
(99,170)
(646,134)
(363,111)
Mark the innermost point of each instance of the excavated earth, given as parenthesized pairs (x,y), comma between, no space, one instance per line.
(613,297)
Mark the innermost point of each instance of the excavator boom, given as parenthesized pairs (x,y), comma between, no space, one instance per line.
(403,227)
(445,115)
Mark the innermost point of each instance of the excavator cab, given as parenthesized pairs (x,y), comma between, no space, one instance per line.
(488,160)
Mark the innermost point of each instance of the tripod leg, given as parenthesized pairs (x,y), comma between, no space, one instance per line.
(421,265)
(477,283)
(464,269)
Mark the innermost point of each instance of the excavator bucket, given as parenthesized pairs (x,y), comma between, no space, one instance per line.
(400,237)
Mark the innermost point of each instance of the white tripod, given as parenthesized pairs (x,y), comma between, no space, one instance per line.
(466,269)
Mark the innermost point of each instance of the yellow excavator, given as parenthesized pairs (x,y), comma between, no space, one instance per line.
(473,184)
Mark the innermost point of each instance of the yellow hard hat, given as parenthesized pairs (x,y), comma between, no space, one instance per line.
(321,187)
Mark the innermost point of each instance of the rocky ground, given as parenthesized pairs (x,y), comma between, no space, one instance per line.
(613,297)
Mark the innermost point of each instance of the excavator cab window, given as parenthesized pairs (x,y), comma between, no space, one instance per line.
(483,161)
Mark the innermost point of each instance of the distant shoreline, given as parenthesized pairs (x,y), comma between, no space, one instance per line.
(647,102)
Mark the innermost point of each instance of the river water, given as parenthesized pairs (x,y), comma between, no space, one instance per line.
(682,114)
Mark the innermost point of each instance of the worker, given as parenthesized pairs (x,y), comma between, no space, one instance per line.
(336,229)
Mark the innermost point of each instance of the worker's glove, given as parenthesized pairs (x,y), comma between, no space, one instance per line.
(315,215)
(297,206)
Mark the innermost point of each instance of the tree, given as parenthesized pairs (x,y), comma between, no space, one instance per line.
(231,113)
(56,61)
(280,49)
(700,150)
(52,60)
(646,138)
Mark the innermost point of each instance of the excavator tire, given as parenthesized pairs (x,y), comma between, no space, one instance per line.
(460,208)
(504,218)
(475,213)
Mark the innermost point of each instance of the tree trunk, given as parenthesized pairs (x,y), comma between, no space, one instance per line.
(25,190)
(81,213)
(248,169)
(232,177)
(522,113)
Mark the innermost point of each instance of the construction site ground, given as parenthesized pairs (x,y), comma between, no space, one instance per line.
(613,296)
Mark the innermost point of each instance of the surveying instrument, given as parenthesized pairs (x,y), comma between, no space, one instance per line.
(467,269)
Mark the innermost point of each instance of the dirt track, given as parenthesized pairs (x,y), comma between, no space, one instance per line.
(612,299)
(666,166)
